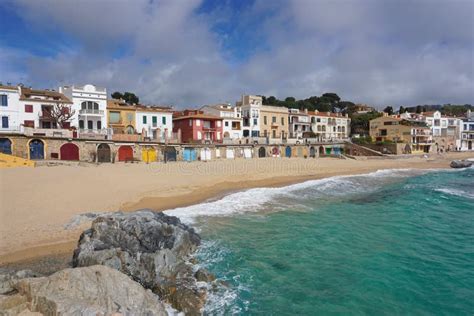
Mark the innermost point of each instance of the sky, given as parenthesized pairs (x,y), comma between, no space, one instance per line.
(187,53)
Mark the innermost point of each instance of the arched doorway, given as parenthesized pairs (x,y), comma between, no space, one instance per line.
(148,154)
(312,152)
(226,135)
(69,151)
(261,152)
(276,151)
(169,154)
(5,146)
(125,153)
(36,149)
(321,151)
(103,153)
(300,151)
(288,151)
(189,154)
(129,130)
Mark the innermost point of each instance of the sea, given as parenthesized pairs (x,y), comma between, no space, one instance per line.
(391,242)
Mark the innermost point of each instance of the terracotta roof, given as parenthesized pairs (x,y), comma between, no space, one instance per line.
(220,107)
(28,94)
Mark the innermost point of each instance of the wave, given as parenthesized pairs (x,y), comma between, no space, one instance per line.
(455,192)
(258,199)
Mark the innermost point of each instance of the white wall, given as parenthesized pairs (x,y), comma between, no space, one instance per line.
(149,127)
(12,110)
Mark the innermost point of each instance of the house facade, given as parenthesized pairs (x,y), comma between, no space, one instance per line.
(121,117)
(467,132)
(90,105)
(231,119)
(416,134)
(329,126)
(299,123)
(10,110)
(249,106)
(274,122)
(446,130)
(197,127)
(154,122)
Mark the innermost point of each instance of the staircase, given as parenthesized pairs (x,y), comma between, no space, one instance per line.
(9,161)
(359,150)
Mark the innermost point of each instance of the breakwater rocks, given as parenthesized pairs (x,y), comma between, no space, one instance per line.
(461,164)
(144,251)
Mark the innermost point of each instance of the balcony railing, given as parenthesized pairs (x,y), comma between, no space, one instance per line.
(91,111)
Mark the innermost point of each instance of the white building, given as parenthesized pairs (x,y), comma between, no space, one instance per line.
(467,132)
(446,130)
(155,122)
(25,107)
(330,126)
(249,107)
(231,118)
(10,108)
(299,123)
(90,105)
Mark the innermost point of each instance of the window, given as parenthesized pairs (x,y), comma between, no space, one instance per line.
(4,121)
(90,125)
(255,122)
(163,120)
(282,121)
(265,120)
(274,119)
(154,120)
(383,132)
(144,119)
(28,108)
(218,135)
(226,124)
(29,123)
(190,122)
(99,124)
(219,124)
(198,122)
(199,135)
(81,124)
(114,117)
(129,117)
(3,100)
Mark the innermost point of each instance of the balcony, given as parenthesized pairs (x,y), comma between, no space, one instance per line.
(45,115)
(91,112)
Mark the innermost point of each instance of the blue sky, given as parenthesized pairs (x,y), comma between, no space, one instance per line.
(193,52)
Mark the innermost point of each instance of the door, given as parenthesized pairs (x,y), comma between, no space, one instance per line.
(337,152)
(125,153)
(288,151)
(300,152)
(189,154)
(321,151)
(103,153)
(36,149)
(148,154)
(69,151)
(261,152)
(205,154)
(469,145)
(170,154)
(229,153)
(312,152)
(247,153)
(275,152)
(5,146)
(328,151)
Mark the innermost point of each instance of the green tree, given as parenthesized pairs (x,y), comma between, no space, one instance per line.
(131,98)
(272,100)
(344,106)
(401,110)
(418,109)
(117,95)
(388,110)
(331,96)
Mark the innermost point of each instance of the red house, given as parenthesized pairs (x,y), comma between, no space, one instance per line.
(197,127)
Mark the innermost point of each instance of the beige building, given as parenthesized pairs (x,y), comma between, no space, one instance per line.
(274,122)
(415,133)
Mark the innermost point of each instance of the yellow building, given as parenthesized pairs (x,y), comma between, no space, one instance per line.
(121,116)
(273,121)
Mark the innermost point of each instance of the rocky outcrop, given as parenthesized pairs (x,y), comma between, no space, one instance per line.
(95,290)
(461,164)
(8,279)
(150,247)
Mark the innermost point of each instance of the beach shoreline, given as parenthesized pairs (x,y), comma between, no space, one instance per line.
(40,238)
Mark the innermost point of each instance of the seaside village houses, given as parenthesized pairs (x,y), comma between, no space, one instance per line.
(81,122)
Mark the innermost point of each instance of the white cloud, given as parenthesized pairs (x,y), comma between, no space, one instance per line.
(379,52)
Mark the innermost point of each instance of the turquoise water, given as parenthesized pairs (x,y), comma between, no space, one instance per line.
(391,242)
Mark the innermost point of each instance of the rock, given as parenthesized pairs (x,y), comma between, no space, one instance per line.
(461,164)
(202,275)
(95,290)
(9,277)
(152,248)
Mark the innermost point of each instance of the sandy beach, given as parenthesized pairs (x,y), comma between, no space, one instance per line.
(37,203)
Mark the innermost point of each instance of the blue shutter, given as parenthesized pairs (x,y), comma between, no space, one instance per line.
(4,121)
(4,100)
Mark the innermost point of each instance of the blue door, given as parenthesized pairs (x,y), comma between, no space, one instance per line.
(288,151)
(189,154)
(337,151)
(5,146)
(36,149)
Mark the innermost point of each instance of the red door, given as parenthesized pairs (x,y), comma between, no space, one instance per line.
(125,153)
(69,151)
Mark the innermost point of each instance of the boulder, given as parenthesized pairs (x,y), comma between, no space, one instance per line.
(95,290)
(461,164)
(9,277)
(152,248)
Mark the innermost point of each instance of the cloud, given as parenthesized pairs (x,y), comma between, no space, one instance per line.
(174,52)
